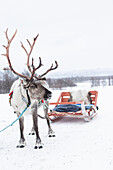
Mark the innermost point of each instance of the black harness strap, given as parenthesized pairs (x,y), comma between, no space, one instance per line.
(29,101)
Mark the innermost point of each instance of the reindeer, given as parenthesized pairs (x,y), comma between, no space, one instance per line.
(81,95)
(29,91)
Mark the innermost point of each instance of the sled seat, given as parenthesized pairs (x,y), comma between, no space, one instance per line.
(84,111)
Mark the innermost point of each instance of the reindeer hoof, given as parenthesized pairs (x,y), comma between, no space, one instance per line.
(21,145)
(38,146)
(32,133)
(51,134)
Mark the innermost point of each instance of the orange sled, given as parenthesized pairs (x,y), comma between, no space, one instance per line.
(87,112)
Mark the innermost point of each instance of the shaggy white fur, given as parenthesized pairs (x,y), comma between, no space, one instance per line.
(16,102)
(79,95)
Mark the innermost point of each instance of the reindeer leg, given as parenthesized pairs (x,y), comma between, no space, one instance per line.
(35,126)
(51,133)
(22,139)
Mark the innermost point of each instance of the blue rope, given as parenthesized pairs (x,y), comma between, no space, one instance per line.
(15,120)
(21,115)
(43,102)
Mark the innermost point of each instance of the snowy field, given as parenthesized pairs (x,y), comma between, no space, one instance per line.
(78,144)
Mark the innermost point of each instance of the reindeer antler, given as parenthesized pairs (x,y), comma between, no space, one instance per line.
(33,69)
(40,62)
(50,69)
(7,54)
(28,57)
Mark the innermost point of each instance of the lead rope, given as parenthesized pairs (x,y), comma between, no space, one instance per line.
(43,102)
(15,120)
(28,104)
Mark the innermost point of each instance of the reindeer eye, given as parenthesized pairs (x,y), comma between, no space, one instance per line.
(33,86)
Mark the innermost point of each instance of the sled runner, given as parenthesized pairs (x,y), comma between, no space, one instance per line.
(74,109)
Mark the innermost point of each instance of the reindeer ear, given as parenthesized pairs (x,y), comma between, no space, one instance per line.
(45,84)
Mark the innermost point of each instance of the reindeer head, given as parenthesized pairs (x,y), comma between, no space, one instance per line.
(36,85)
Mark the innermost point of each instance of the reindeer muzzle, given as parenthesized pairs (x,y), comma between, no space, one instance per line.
(48,94)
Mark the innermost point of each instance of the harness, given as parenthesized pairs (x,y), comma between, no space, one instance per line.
(10,97)
(27,101)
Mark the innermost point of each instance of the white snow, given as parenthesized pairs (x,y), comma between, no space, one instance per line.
(78,144)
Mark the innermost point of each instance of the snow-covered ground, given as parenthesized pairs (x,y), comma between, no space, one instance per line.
(78,144)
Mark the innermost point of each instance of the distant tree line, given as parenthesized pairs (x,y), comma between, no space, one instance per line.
(59,83)
(7,81)
(9,78)
(55,83)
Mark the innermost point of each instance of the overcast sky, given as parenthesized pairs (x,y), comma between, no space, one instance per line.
(76,33)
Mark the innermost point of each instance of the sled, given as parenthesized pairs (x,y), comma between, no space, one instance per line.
(86,112)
